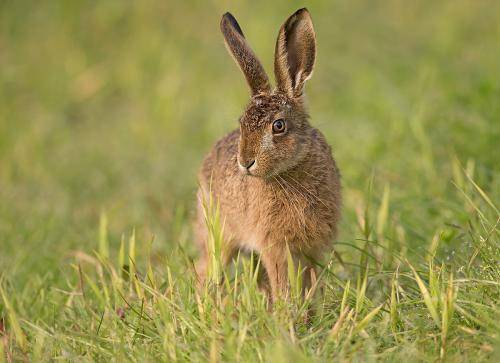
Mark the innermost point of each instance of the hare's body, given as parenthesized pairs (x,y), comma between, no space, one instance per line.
(289,208)
(274,179)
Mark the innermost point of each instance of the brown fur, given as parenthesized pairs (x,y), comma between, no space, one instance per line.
(243,55)
(290,196)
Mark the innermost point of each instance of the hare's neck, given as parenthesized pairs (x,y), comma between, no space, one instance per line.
(294,180)
(304,170)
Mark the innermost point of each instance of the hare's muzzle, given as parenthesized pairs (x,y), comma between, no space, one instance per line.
(246,165)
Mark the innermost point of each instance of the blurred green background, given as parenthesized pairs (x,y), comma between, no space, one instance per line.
(109,107)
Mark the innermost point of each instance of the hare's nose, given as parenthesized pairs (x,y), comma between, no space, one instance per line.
(247,164)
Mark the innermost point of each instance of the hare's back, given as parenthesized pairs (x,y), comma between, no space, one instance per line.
(220,165)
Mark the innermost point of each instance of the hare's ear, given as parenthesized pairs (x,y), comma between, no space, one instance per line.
(249,64)
(295,53)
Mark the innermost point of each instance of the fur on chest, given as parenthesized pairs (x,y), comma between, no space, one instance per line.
(289,213)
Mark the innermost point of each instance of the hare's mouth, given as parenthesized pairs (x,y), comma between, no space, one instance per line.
(248,168)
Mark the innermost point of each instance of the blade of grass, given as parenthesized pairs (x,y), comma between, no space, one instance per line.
(426,296)
(14,322)
(103,236)
(366,320)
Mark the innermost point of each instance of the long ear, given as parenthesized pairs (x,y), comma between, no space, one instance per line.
(295,53)
(249,64)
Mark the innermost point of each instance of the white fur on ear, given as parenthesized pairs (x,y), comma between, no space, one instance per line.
(295,53)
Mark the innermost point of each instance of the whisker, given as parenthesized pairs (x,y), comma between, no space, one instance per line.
(293,199)
(312,176)
(308,190)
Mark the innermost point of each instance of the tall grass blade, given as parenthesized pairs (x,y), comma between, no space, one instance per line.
(361,291)
(428,300)
(366,320)
(14,322)
(383,213)
(345,296)
(394,305)
(103,236)
(483,194)
(334,333)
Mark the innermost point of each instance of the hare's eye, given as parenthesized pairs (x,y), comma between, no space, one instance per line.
(279,126)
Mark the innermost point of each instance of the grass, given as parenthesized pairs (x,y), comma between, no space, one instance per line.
(106,111)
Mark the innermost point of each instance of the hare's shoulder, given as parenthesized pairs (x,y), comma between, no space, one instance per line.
(319,140)
(322,152)
(222,158)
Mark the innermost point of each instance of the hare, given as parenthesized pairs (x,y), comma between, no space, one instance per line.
(274,178)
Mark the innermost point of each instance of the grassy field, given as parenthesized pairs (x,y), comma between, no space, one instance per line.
(106,111)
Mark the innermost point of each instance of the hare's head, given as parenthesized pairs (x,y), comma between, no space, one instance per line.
(275,132)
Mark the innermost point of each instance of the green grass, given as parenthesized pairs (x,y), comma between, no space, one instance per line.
(106,111)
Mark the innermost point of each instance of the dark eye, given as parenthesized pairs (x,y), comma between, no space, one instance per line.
(279,126)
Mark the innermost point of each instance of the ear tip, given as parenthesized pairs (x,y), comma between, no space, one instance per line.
(226,17)
(304,12)
(229,19)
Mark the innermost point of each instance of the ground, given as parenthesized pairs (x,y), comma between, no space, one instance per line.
(106,111)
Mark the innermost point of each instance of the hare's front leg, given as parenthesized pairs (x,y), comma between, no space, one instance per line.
(275,261)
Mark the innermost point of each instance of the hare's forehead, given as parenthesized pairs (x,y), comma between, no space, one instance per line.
(262,109)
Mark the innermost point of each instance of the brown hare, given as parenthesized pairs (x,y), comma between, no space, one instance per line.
(274,178)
